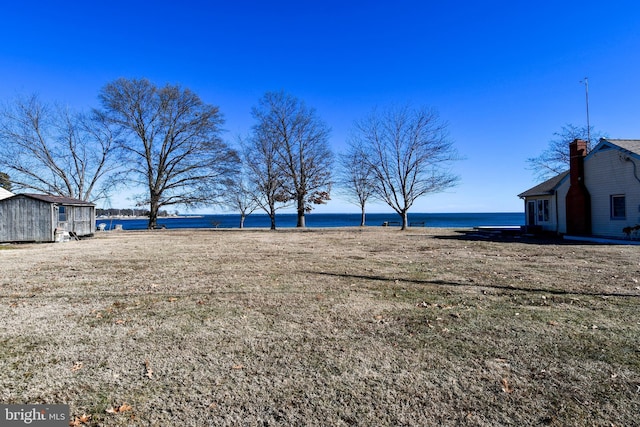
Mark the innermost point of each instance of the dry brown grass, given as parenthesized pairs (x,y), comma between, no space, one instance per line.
(322,327)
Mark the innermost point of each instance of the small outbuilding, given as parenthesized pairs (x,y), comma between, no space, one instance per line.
(44,218)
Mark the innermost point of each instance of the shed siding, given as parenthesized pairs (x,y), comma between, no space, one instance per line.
(80,220)
(24,219)
(609,174)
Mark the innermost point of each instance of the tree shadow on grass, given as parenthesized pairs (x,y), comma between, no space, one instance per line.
(505,237)
(475,285)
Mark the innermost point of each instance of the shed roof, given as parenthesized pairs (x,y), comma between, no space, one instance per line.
(60,200)
(545,188)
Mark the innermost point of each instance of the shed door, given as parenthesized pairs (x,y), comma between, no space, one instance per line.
(61,216)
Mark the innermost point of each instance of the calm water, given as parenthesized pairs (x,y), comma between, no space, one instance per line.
(447,220)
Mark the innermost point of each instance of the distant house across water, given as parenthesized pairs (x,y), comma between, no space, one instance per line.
(598,196)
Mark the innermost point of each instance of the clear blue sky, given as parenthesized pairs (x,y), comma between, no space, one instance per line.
(504,74)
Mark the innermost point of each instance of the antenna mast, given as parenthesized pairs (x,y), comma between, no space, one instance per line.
(586,88)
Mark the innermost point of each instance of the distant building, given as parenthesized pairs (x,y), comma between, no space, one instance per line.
(598,196)
(5,193)
(44,218)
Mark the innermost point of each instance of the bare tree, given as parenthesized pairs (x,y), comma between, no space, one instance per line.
(54,151)
(555,159)
(173,143)
(409,152)
(266,180)
(301,140)
(238,194)
(355,177)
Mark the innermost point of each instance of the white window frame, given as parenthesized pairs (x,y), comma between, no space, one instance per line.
(612,205)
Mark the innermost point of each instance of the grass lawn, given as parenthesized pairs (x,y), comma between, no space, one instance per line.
(322,327)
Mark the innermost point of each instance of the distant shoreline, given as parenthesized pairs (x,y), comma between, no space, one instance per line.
(126,217)
(319,220)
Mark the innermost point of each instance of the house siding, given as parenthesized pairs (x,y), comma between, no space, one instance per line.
(610,174)
(551,223)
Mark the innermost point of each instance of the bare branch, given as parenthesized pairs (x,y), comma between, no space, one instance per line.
(300,140)
(172,143)
(555,158)
(54,151)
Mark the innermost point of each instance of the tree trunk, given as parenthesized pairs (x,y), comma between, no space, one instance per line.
(362,218)
(405,221)
(153,213)
(242,217)
(272,216)
(301,223)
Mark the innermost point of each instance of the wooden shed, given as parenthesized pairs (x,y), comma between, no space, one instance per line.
(44,218)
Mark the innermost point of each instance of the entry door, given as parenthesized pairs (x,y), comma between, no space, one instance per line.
(531,213)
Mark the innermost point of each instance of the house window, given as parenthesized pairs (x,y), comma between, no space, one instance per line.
(62,214)
(543,210)
(540,211)
(618,207)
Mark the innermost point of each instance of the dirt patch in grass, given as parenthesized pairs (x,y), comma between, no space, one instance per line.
(322,327)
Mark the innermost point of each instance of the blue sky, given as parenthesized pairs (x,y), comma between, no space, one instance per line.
(504,74)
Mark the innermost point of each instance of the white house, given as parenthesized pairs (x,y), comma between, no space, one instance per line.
(4,194)
(598,196)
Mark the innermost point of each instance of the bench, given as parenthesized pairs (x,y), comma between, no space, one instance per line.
(391,223)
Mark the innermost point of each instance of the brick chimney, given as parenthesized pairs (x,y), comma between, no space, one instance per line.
(578,200)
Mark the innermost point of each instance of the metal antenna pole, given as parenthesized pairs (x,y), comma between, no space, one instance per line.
(586,88)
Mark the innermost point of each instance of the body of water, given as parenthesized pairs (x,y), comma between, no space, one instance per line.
(321,220)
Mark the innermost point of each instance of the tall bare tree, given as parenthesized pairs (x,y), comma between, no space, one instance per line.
(266,179)
(173,144)
(355,177)
(555,159)
(301,141)
(51,150)
(409,151)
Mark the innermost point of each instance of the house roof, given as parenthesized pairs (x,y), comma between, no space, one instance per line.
(60,200)
(630,145)
(545,188)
